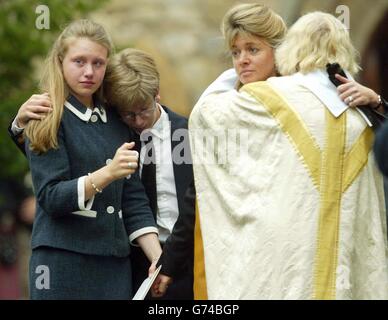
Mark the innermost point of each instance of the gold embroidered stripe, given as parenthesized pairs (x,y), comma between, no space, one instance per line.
(292,125)
(332,172)
(326,258)
(200,290)
(357,157)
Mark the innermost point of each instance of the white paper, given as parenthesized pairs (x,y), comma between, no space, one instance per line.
(146,285)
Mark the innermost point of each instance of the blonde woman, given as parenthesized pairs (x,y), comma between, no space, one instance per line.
(252,32)
(299,212)
(90,202)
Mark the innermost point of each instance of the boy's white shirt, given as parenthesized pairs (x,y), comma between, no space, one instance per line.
(15,129)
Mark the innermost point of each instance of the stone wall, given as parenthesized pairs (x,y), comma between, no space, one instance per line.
(184,36)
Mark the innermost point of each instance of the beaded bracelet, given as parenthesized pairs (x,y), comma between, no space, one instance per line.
(93,185)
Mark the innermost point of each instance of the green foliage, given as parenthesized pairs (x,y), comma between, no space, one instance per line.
(22,45)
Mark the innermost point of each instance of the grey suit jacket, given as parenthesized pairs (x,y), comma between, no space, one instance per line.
(86,142)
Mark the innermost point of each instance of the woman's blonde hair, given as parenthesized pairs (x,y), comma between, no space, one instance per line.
(43,133)
(253,20)
(315,40)
(131,79)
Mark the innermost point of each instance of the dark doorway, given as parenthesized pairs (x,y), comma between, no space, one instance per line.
(375,59)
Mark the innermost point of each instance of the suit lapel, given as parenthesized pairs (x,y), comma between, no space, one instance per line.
(148,175)
(180,170)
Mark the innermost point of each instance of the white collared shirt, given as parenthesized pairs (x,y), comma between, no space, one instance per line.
(88,114)
(167,209)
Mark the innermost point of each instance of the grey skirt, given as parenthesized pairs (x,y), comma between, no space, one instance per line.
(60,274)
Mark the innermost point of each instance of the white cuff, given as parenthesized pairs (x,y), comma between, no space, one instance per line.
(81,195)
(15,129)
(134,235)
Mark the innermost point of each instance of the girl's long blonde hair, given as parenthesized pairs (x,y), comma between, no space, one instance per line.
(43,133)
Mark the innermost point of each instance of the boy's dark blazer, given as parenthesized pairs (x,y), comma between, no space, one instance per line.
(182,287)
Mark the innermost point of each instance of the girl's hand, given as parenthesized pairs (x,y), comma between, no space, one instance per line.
(125,161)
(35,108)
